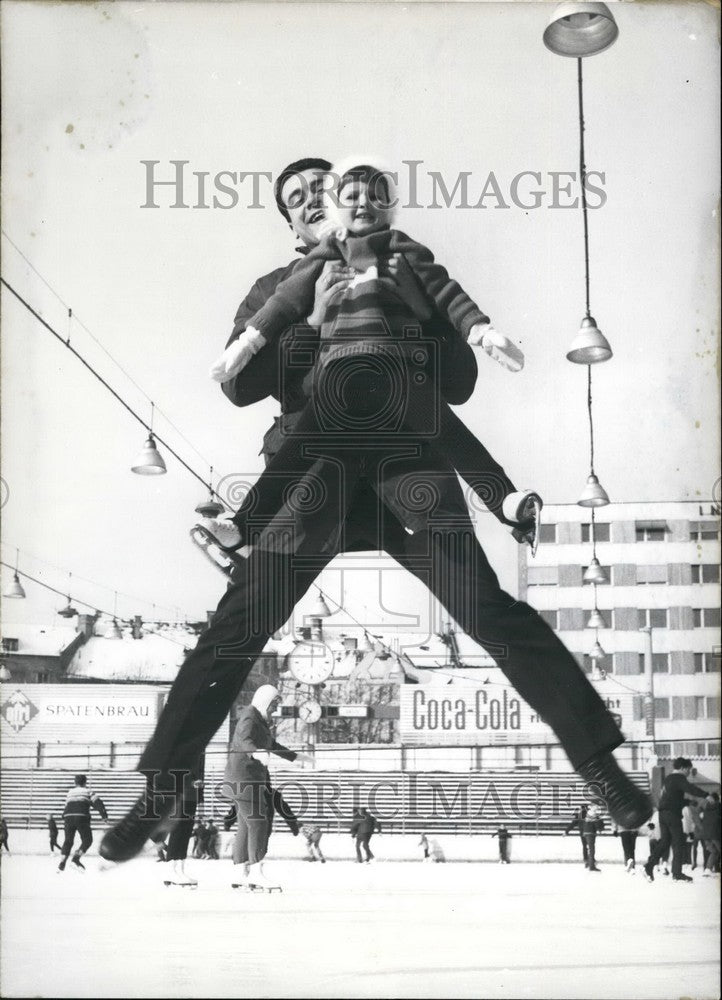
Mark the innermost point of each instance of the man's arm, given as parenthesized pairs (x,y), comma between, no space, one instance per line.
(458,370)
(259,378)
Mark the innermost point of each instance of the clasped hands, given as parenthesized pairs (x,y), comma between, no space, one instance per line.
(334,279)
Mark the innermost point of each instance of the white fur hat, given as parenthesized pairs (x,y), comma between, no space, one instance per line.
(345,166)
(263,697)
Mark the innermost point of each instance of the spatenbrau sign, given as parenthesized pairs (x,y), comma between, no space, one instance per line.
(476,713)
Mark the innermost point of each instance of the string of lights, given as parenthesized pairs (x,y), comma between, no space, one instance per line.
(143,465)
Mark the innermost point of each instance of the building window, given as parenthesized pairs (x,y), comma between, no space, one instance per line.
(661,708)
(660,663)
(601,532)
(712,705)
(651,574)
(650,531)
(653,617)
(663,749)
(551,618)
(9,645)
(705,573)
(706,663)
(543,576)
(706,617)
(547,534)
(703,531)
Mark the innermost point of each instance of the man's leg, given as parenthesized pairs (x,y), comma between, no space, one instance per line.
(546,675)
(585,852)
(358,850)
(676,833)
(256,603)
(69,825)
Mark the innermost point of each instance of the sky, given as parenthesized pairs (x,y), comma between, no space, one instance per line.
(247,87)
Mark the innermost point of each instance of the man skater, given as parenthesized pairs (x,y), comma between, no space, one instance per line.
(504,837)
(674,789)
(363,828)
(76,819)
(312,835)
(53,833)
(400,496)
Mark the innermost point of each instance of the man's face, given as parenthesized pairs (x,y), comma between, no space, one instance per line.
(301,194)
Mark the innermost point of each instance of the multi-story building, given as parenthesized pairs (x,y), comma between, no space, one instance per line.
(662,567)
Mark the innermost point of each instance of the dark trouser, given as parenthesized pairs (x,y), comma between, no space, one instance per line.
(590,840)
(255,822)
(81,826)
(713,857)
(670,825)
(503,850)
(362,840)
(364,394)
(452,564)
(629,840)
(4,842)
(54,842)
(585,849)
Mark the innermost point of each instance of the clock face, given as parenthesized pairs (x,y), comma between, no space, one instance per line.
(309,712)
(310,662)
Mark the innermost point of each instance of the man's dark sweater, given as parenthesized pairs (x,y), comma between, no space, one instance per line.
(676,787)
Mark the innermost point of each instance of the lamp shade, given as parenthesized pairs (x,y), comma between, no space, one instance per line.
(15,589)
(580,29)
(594,494)
(590,346)
(320,608)
(150,461)
(594,572)
(596,652)
(209,507)
(598,673)
(68,611)
(596,620)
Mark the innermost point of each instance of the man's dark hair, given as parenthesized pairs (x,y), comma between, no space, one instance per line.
(81,779)
(297,167)
(681,763)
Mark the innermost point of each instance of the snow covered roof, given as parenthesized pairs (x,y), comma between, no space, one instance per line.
(155,657)
(40,641)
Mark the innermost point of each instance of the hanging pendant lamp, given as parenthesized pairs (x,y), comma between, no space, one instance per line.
(15,589)
(594,494)
(578,30)
(320,608)
(596,652)
(590,346)
(68,611)
(596,620)
(210,507)
(150,461)
(594,572)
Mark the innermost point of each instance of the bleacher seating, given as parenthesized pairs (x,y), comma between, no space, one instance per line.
(409,802)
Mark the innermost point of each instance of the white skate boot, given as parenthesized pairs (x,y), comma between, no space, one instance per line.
(257,880)
(180,878)
(241,874)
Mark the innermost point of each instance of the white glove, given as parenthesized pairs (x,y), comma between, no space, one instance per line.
(237,355)
(497,346)
(305,758)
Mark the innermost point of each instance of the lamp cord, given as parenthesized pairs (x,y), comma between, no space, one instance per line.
(583,181)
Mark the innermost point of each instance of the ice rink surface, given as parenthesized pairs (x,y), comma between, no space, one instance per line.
(389,929)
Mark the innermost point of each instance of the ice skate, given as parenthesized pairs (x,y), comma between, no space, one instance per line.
(180,878)
(649,872)
(227,560)
(241,877)
(78,863)
(629,807)
(257,881)
(630,867)
(524,508)
(61,866)
(148,815)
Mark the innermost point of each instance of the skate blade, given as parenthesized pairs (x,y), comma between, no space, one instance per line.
(249,887)
(224,561)
(180,885)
